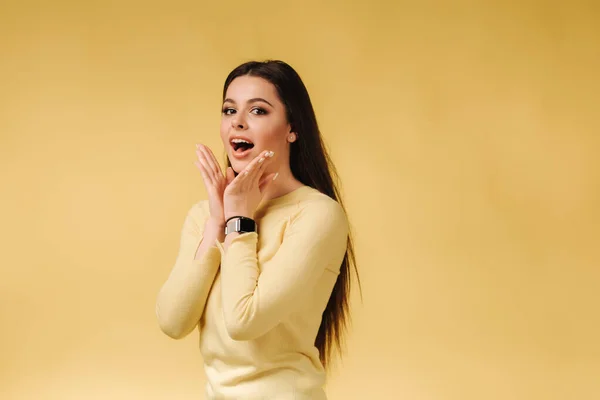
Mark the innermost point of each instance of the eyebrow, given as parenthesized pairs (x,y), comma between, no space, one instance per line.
(253,100)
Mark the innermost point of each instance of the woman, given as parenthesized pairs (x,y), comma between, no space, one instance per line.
(263,265)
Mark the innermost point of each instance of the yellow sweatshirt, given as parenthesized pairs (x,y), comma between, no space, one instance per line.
(258,305)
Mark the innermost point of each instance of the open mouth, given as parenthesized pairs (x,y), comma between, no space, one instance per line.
(241,145)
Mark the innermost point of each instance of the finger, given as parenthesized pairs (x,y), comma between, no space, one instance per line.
(209,177)
(212,167)
(211,161)
(265,181)
(263,162)
(255,164)
(251,179)
(205,177)
(259,169)
(243,180)
(212,155)
(236,180)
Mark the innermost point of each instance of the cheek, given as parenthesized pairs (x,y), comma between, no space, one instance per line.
(224,131)
(270,140)
(272,133)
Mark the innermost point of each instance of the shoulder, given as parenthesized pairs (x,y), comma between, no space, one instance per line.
(320,209)
(319,223)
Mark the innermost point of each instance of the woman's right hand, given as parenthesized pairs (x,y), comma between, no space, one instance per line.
(214,181)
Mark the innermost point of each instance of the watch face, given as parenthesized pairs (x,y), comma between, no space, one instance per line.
(241,225)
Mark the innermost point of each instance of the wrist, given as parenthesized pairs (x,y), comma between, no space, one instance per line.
(216,222)
(215,229)
(238,214)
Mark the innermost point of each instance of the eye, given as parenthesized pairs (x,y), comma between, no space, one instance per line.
(228,111)
(259,111)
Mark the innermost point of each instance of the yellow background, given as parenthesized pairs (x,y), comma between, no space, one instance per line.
(466,135)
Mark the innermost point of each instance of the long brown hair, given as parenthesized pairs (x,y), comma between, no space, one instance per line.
(310,164)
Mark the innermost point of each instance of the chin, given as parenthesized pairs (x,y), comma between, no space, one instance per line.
(237,165)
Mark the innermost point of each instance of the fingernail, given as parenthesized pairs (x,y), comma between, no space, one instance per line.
(275,177)
(272,154)
(261,160)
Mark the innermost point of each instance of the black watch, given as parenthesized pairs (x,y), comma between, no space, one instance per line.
(240,224)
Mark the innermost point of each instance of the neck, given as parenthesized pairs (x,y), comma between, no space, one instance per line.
(284,184)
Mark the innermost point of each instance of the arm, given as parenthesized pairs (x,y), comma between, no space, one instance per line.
(254,302)
(182,297)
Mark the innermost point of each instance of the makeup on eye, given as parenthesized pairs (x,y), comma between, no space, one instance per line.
(255,110)
(261,111)
(249,102)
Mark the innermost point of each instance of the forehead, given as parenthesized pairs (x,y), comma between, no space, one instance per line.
(247,87)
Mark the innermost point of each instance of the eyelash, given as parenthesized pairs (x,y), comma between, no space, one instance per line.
(262,111)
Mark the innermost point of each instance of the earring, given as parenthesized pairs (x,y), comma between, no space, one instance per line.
(291,137)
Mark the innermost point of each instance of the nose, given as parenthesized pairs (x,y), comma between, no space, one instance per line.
(238,123)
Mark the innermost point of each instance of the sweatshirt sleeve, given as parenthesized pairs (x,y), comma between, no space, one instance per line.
(181,299)
(255,302)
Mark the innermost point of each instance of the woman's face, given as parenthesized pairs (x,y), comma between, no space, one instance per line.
(253,113)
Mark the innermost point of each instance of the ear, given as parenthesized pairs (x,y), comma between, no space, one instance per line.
(291,137)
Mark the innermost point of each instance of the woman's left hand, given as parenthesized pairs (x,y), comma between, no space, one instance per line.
(244,193)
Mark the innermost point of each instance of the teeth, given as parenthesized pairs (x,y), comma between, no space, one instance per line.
(240,141)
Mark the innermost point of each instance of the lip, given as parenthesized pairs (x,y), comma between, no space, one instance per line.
(242,155)
(237,154)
